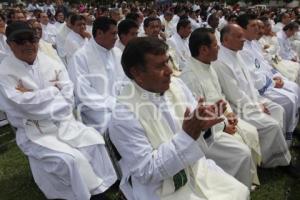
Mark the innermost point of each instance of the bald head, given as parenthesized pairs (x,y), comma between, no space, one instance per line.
(232,37)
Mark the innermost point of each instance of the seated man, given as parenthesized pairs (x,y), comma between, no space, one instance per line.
(160,140)
(286,51)
(202,80)
(179,42)
(127,30)
(96,72)
(238,87)
(77,37)
(267,80)
(68,160)
(269,43)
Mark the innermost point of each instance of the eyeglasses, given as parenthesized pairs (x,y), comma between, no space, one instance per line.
(22,41)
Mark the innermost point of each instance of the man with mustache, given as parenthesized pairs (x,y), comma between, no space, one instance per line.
(68,160)
(159,131)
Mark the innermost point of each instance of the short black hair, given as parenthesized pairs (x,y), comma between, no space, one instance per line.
(125,25)
(211,18)
(148,20)
(200,37)
(243,19)
(103,24)
(182,23)
(291,26)
(133,16)
(75,18)
(136,50)
(224,31)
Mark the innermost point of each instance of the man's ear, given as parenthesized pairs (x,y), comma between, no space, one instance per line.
(203,50)
(136,74)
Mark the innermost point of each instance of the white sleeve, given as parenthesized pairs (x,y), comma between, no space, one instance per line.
(149,165)
(89,97)
(45,103)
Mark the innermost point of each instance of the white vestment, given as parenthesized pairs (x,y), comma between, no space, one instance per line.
(170,27)
(59,25)
(49,33)
(68,160)
(154,148)
(73,42)
(120,45)
(285,47)
(202,80)
(60,42)
(277,27)
(289,69)
(262,74)
(97,74)
(240,92)
(47,48)
(181,48)
(195,23)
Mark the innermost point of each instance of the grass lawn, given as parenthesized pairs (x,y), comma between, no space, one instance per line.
(16,182)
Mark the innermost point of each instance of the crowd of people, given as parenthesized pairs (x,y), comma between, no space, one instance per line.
(177,101)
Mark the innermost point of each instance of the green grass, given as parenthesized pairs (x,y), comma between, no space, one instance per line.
(16,182)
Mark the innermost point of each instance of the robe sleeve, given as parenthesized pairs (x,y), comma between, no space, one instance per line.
(261,81)
(89,98)
(146,164)
(40,104)
(284,52)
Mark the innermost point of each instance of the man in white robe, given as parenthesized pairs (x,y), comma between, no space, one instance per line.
(159,139)
(284,19)
(269,82)
(96,71)
(68,160)
(213,22)
(179,42)
(168,23)
(59,20)
(127,30)
(77,37)
(152,28)
(238,87)
(44,46)
(61,38)
(195,22)
(285,47)
(269,43)
(202,80)
(49,30)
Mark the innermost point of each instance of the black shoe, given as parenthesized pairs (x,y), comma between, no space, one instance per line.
(292,170)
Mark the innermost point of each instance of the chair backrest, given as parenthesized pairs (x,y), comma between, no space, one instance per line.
(114,154)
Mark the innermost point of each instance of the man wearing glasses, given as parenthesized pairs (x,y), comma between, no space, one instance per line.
(68,160)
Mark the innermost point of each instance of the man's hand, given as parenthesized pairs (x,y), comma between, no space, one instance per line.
(232,118)
(264,109)
(230,129)
(56,79)
(278,82)
(202,118)
(21,88)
